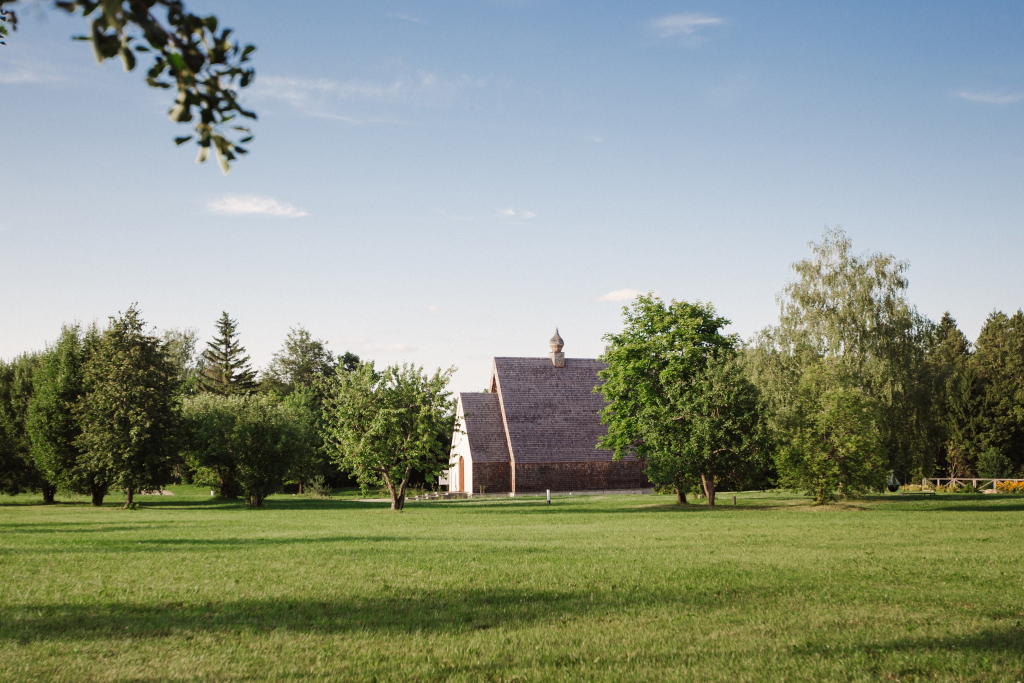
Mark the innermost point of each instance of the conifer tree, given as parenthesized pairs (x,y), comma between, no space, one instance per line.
(999,362)
(226,368)
(958,398)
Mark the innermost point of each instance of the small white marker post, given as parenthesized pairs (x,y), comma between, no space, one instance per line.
(549,496)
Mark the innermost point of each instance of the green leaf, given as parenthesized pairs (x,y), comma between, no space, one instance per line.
(181,140)
(177,63)
(127,58)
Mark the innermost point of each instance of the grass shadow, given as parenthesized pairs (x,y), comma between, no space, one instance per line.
(391,609)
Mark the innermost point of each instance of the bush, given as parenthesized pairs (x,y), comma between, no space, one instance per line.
(319,488)
(993,463)
(955,488)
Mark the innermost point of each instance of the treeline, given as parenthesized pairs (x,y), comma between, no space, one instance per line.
(852,386)
(124,409)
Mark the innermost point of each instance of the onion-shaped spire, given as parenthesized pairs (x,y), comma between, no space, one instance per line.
(556,342)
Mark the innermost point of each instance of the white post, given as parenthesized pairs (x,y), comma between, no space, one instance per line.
(549,496)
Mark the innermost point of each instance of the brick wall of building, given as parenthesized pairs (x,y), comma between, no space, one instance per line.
(579,476)
(496,477)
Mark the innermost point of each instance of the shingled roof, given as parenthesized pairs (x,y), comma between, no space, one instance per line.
(551,413)
(484,427)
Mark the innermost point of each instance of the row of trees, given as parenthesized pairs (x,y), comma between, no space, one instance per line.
(122,409)
(851,384)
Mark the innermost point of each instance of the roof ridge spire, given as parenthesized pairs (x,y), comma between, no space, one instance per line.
(556,343)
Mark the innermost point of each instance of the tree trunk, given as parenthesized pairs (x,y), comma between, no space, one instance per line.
(130,499)
(709,488)
(680,496)
(49,492)
(300,486)
(397,497)
(396,504)
(227,484)
(97,497)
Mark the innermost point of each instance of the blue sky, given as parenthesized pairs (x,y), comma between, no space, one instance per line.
(441,183)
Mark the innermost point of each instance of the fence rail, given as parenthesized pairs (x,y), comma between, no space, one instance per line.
(973,481)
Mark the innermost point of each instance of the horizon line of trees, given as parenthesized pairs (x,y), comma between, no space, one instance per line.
(853,386)
(122,408)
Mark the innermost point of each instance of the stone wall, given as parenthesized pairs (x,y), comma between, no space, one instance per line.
(579,476)
(496,477)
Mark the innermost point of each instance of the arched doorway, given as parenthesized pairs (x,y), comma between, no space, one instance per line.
(462,474)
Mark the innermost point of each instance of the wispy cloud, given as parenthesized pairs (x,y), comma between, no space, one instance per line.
(322,96)
(620,295)
(684,23)
(248,205)
(513,213)
(14,74)
(407,17)
(991,97)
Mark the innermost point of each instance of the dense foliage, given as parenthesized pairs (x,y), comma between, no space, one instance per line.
(384,426)
(18,471)
(675,397)
(248,442)
(52,423)
(129,417)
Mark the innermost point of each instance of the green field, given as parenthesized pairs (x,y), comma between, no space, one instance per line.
(600,588)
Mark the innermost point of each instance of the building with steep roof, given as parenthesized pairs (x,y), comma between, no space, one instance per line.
(537,428)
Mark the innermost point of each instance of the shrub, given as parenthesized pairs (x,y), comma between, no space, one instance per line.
(993,463)
(319,488)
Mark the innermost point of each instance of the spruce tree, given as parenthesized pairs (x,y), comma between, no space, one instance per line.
(999,361)
(226,368)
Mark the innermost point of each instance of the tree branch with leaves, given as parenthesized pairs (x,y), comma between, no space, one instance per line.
(191,54)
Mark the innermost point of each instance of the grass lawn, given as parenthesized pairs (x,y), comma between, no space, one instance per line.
(188,588)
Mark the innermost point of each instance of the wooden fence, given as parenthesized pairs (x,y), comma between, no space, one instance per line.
(977,482)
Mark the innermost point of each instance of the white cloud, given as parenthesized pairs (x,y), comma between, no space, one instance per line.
(434,309)
(407,17)
(991,97)
(242,206)
(620,295)
(512,213)
(684,23)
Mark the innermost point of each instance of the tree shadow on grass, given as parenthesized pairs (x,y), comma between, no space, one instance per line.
(177,544)
(902,657)
(952,502)
(398,610)
(70,527)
